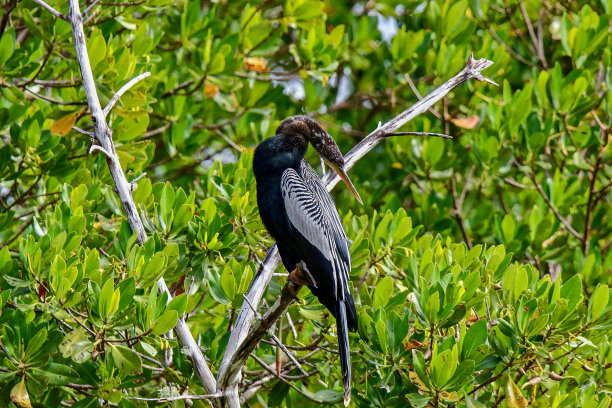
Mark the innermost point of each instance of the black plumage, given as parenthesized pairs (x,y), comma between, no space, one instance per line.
(300,214)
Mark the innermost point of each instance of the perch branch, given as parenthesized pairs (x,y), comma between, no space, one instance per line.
(242,337)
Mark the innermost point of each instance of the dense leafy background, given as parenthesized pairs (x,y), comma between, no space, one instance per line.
(481,265)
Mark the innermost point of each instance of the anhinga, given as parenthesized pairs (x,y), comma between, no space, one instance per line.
(300,214)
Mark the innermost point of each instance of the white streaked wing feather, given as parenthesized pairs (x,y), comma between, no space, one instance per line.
(312,214)
(313,181)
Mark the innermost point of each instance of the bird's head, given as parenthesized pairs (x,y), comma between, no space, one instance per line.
(325,146)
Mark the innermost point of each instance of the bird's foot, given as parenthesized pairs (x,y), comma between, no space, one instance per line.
(300,276)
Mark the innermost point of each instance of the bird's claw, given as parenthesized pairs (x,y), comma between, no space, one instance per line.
(300,276)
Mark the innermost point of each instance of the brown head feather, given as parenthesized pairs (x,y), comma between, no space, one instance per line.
(322,142)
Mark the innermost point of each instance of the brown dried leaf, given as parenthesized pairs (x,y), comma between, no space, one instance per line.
(64,124)
(19,394)
(417,381)
(256,64)
(210,90)
(514,397)
(413,344)
(466,123)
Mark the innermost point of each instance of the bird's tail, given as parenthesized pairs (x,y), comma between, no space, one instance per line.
(345,351)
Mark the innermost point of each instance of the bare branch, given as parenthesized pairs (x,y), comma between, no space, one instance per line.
(82,131)
(123,90)
(554,209)
(90,7)
(133,183)
(179,397)
(51,9)
(95,148)
(534,38)
(157,131)
(276,339)
(55,101)
(58,83)
(442,135)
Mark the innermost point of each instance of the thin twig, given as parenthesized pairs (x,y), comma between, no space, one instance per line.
(176,398)
(553,208)
(157,131)
(276,339)
(55,101)
(458,216)
(123,90)
(90,7)
(442,135)
(28,191)
(82,131)
(221,124)
(510,50)
(51,9)
(534,39)
(418,95)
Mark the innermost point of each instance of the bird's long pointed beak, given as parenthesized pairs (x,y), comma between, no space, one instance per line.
(347,181)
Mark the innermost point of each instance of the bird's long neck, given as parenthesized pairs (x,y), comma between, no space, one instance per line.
(276,154)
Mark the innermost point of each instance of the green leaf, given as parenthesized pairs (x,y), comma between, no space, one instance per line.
(572,291)
(166,203)
(433,149)
(7,45)
(217,65)
(508,228)
(475,336)
(432,307)
(35,345)
(472,403)
(228,282)
(5,259)
(126,359)
(153,269)
(76,345)
(309,10)
(57,374)
(179,303)
(166,322)
(598,301)
(382,334)
(383,292)
(57,270)
(108,302)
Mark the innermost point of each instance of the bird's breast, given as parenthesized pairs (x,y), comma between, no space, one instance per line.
(271,206)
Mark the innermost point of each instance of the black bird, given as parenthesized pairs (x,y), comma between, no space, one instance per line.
(300,214)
